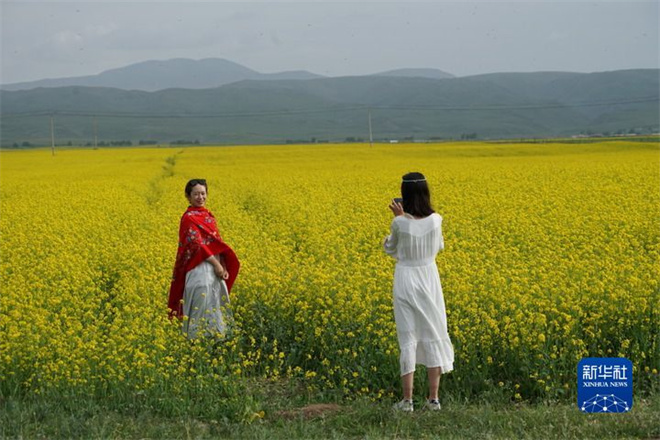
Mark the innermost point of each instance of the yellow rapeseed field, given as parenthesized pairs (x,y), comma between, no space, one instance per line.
(552,254)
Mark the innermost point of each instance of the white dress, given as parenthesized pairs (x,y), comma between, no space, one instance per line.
(205,298)
(419,307)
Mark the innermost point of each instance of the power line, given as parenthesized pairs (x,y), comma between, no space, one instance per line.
(522,107)
(323,110)
(182,115)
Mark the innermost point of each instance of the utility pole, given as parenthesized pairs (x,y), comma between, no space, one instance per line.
(371,136)
(96,133)
(52,135)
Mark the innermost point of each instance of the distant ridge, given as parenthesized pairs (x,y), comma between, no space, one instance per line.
(505,105)
(417,73)
(156,75)
(184,73)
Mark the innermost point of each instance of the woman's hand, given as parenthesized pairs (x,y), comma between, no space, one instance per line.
(221,272)
(396,208)
(218,268)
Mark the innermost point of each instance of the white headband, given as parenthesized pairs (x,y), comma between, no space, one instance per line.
(412,181)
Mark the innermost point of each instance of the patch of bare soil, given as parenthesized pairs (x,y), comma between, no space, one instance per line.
(309,411)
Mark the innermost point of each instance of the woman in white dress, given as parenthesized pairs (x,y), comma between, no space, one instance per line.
(205,268)
(419,307)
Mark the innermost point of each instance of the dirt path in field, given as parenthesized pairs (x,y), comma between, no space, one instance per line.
(155,189)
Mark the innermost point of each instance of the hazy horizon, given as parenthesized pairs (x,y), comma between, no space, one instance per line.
(365,74)
(52,39)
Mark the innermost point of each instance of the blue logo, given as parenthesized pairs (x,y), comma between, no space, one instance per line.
(605,385)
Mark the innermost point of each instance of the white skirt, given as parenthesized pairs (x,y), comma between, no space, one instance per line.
(205,298)
(421,319)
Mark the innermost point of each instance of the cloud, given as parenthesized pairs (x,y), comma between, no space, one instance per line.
(333,38)
(100,30)
(67,39)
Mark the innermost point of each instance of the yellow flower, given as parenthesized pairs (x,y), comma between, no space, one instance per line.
(557,241)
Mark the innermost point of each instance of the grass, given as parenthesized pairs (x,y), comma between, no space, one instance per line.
(282,411)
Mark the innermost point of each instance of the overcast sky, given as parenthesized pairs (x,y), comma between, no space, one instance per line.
(59,39)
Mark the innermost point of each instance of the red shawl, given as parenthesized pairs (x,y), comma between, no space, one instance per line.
(198,239)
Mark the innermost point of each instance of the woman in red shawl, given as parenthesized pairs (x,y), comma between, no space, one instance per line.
(205,268)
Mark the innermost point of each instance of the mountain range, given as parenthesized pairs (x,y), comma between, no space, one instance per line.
(184,73)
(300,106)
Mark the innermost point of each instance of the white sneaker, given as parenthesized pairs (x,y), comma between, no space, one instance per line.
(404,405)
(433,405)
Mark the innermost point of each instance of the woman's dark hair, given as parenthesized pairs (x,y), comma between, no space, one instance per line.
(192,183)
(416,195)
